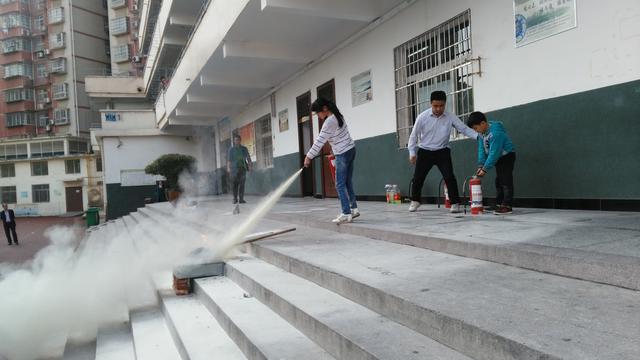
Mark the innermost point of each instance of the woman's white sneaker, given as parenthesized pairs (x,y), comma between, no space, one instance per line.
(342,218)
(414,206)
(354,213)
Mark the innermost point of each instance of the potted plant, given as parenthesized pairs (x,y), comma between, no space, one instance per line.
(171,166)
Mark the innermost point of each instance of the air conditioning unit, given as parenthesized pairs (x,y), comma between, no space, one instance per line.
(134,24)
(135,8)
(46,51)
(136,59)
(40,106)
(40,54)
(47,100)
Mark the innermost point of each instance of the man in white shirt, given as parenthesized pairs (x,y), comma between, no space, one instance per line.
(429,145)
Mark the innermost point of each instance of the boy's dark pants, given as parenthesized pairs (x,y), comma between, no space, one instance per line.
(238,178)
(442,159)
(504,179)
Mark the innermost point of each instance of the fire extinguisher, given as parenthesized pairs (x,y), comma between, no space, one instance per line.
(475,191)
(447,201)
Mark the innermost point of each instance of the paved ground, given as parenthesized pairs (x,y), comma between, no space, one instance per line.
(31,235)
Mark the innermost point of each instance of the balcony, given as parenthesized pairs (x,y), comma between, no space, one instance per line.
(61,116)
(56,16)
(120,53)
(114,87)
(58,66)
(119,26)
(60,91)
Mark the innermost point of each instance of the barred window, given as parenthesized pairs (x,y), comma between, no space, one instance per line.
(8,194)
(60,91)
(39,168)
(77,147)
(8,170)
(18,69)
(61,116)
(119,26)
(57,41)
(19,119)
(72,166)
(120,53)
(56,15)
(59,66)
(21,94)
(41,71)
(264,143)
(15,44)
(40,193)
(439,59)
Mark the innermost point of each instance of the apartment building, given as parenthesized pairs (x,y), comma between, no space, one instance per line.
(47,48)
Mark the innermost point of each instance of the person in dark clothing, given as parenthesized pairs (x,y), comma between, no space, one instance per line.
(495,149)
(9,221)
(238,164)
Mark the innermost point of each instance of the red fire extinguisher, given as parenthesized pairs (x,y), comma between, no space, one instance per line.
(447,201)
(475,191)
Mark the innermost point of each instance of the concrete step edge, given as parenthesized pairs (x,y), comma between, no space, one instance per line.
(616,270)
(253,346)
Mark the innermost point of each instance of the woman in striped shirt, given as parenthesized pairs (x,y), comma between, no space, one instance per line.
(335,131)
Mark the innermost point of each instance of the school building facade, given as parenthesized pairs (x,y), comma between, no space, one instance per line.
(562,75)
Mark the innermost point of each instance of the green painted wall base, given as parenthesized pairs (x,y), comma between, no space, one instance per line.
(124,200)
(575,151)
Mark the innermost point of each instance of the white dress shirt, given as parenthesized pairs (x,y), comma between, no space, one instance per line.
(432,132)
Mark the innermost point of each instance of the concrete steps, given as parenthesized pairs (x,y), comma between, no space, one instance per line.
(343,328)
(257,330)
(115,342)
(482,309)
(152,337)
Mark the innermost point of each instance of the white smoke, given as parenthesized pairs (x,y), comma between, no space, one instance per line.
(75,285)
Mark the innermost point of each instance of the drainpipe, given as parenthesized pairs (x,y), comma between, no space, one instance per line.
(73,71)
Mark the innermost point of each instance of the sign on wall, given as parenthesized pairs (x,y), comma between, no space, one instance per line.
(538,19)
(111,116)
(361,89)
(283,120)
(248,135)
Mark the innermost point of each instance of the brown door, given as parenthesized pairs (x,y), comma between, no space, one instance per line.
(74,199)
(305,140)
(327,91)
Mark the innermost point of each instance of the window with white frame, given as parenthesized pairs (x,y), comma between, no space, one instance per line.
(60,91)
(47,149)
(72,166)
(13,151)
(58,66)
(61,116)
(15,44)
(21,94)
(8,170)
(119,26)
(264,143)
(116,4)
(439,59)
(120,53)
(43,120)
(8,194)
(16,119)
(18,69)
(40,193)
(56,15)
(57,41)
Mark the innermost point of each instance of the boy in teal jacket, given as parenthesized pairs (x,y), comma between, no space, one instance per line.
(495,149)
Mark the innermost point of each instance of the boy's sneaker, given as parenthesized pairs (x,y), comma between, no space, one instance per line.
(354,213)
(455,209)
(342,218)
(503,210)
(414,206)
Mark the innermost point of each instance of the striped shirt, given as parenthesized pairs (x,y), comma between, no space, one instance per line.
(338,137)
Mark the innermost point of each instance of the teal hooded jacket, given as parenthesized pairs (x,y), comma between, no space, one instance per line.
(492,145)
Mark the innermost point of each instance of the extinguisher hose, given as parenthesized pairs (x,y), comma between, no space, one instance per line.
(464,193)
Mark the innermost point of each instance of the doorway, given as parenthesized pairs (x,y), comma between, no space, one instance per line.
(305,140)
(74,198)
(327,91)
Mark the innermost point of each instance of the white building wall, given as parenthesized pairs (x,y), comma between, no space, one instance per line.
(603,50)
(135,153)
(57,181)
